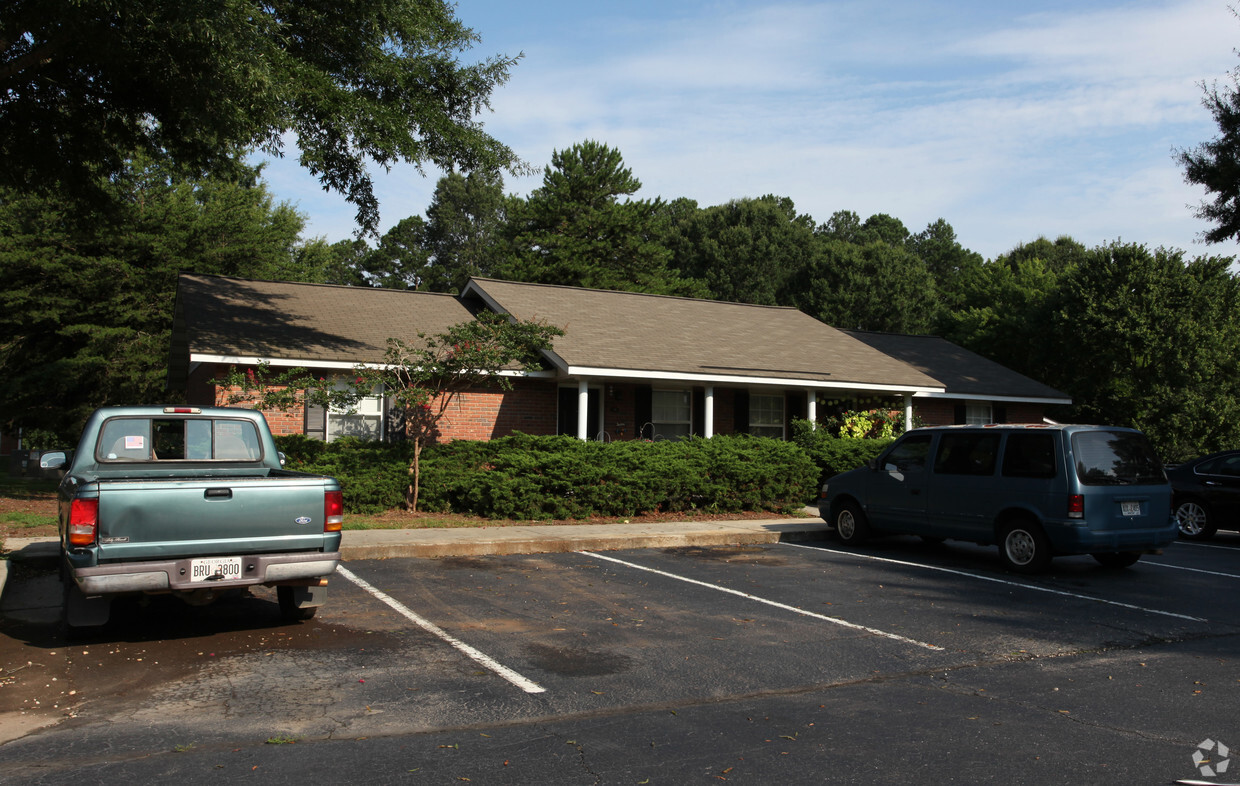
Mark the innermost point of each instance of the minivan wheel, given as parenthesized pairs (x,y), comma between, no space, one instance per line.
(1194,520)
(850,524)
(1023,547)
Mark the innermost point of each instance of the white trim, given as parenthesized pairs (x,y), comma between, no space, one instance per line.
(236,360)
(984,397)
(729,379)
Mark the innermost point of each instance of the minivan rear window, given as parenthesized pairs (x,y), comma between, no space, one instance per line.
(1115,458)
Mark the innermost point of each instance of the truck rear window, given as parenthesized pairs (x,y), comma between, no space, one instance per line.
(1115,458)
(178,439)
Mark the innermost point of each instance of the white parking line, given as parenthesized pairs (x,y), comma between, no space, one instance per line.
(1192,570)
(785,607)
(980,577)
(529,686)
(1204,545)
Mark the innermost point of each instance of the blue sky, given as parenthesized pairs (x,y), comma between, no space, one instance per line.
(1011,121)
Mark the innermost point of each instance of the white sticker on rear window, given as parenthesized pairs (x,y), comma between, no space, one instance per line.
(135,443)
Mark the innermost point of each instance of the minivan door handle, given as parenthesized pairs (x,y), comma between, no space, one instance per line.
(218,494)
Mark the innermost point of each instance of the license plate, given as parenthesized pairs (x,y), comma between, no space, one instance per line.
(1130,508)
(215,569)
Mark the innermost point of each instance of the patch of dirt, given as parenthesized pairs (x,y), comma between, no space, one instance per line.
(39,503)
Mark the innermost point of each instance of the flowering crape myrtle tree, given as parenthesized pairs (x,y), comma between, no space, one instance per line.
(424,378)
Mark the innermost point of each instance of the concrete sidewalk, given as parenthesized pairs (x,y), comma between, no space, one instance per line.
(529,539)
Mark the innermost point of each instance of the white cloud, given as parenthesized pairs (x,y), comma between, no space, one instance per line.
(1009,124)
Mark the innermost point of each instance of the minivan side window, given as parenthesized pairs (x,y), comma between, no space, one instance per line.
(910,455)
(967,454)
(1029,456)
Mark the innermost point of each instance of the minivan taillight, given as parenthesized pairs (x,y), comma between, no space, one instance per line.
(1076,506)
(333,511)
(83,521)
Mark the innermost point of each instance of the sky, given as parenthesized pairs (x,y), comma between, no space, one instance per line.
(1012,121)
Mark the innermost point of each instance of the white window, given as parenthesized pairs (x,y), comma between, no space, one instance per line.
(766,415)
(671,413)
(977,414)
(365,422)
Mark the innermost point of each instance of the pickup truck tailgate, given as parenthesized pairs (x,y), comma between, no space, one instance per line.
(144,519)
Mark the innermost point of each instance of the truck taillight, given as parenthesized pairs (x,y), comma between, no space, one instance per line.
(333,511)
(83,522)
(1076,506)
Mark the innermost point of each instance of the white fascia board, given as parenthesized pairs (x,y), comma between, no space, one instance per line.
(729,379)
(238,360)
(984,397)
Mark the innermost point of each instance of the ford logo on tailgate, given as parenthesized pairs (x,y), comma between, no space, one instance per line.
(303,519)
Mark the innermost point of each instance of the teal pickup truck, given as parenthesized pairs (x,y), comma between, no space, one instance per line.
(194,502)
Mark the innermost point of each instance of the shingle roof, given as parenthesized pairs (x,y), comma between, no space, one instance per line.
(618,333)
(656,334)
(232,317)
(964,373)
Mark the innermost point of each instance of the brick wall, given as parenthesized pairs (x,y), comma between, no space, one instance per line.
(532,408)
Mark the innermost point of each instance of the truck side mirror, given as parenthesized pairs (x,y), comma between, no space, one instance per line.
(53,460)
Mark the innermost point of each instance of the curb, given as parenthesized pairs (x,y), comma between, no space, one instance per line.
(437,543)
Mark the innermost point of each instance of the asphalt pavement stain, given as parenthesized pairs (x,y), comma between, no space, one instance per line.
(745,555)
(577,661)
(468,563)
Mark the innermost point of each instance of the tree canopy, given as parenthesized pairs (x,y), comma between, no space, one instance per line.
(574,230)
(193,85)
(86,301)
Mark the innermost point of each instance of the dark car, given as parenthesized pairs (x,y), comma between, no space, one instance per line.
(1206,494)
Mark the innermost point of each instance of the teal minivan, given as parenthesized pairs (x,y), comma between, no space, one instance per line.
(1034,490)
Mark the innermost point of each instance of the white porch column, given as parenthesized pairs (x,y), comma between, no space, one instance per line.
(708,417)
(583,408)
(908,411)
(811,407)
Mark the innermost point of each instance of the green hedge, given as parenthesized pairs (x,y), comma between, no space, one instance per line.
(832,454)
(527,477)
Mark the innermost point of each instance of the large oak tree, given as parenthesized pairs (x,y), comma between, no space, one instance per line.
(86,84)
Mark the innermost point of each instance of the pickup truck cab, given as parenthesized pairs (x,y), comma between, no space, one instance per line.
(1035,490)
(194,502)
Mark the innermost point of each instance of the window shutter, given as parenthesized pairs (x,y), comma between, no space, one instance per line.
(643,411)
(1000,414)
(961,415)
(316,422)
(698,417)
(795,405)
(567,423)
(741,409)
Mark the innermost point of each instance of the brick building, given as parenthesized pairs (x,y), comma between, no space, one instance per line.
(630,365)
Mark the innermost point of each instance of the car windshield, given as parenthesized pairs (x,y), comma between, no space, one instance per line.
(1115,458)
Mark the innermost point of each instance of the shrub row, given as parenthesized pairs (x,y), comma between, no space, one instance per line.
(527,477)
(832,454)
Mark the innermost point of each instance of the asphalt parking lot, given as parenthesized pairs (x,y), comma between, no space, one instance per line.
(807,662)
